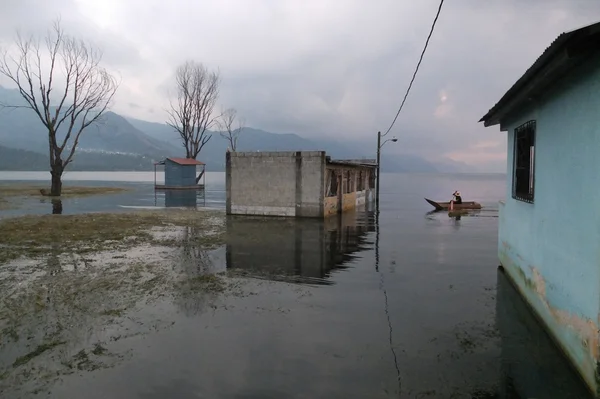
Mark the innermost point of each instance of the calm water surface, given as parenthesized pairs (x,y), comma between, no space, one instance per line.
(404,304)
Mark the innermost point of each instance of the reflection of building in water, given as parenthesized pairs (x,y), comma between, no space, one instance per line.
(307,249)
(531,365)
(182,198)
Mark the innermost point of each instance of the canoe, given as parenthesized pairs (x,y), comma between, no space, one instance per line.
(446,205)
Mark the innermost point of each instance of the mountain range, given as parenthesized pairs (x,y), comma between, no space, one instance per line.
(124,143)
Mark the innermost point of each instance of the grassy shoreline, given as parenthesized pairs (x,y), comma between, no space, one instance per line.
(32,236)
(10,193)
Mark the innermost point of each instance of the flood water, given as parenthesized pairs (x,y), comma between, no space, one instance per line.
(403,303)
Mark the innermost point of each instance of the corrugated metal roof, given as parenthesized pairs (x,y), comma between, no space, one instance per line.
(555,49)
(185,161)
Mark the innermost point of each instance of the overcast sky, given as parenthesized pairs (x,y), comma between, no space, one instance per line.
(325,67)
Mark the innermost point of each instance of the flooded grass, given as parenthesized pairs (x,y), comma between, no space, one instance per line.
(35,236)
(96,271)
(10,194)
(30,190)
(36,352)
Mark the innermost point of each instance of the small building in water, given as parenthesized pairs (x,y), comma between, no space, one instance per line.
(296,183)
(549,224)
(181,173)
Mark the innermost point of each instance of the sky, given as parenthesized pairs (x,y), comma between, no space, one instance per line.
(334,68)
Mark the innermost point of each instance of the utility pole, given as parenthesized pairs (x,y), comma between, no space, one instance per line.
(377,183)
(379,145)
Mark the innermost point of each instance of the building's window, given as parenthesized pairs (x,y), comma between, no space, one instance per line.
(523,165)
(349,186)
(360,183)
(332,183)
(346,182)
(371,179)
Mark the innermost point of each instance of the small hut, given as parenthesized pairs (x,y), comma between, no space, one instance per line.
(181,174)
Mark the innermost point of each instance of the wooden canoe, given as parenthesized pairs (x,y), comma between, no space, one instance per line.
(446,205)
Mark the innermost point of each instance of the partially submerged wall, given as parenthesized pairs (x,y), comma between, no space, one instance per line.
(347,187)
(550,248)
(275,183)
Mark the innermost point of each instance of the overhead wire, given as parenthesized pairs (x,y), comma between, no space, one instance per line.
(417,68)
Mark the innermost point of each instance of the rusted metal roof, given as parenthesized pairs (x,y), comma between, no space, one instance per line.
(562,54)
(185,161)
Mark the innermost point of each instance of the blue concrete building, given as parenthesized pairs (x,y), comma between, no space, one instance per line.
(549,224)
(181,173)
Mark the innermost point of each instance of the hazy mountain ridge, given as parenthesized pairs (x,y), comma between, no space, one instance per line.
(124,143)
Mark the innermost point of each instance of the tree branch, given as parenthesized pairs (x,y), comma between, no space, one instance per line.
(88,88)
(191,115)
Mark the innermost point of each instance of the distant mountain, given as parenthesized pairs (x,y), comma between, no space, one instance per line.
(17,160)
(22,160)
(260,140)
(123,143)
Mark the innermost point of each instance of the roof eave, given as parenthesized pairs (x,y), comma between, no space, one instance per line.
(554,61)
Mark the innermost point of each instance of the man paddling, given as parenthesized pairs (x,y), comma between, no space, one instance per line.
(457,199)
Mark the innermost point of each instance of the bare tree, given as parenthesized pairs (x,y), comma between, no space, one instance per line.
(192,115)
(228,129)
(66,108)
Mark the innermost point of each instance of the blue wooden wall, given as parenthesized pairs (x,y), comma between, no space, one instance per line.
(179,175)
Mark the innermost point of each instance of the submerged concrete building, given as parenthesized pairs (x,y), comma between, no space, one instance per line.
(296,183)
(549,225)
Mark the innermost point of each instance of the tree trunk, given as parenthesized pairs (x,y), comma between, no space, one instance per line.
(56,187)
(57,207)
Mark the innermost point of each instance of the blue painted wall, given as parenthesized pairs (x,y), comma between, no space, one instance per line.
(551,248)
(179,175)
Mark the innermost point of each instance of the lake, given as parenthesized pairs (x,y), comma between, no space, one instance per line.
(403,303)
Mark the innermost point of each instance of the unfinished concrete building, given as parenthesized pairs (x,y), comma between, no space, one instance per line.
(296,183)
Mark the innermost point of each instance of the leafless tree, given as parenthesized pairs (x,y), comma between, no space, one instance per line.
(65,108)
(192,114)
(228,129)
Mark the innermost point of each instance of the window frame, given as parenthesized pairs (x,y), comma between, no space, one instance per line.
(521,134)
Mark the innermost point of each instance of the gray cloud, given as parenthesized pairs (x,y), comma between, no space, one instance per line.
(330,67)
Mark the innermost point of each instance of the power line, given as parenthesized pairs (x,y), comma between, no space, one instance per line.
(418,65)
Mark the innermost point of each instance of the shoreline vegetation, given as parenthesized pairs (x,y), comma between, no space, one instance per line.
(64,276)
(11,193)
(35,236)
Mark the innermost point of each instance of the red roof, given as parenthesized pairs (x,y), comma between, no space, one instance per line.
(185,161)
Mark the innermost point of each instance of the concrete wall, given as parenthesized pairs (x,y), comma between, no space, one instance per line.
(551,248)
(330,206)
(348,201)
(361,197)
(275,183)
(526,347)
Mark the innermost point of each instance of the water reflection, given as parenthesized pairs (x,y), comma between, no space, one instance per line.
(296,250)
(181,198)
(57,207)
(530,366)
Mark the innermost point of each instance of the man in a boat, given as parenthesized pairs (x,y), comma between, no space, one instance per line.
(457,198)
